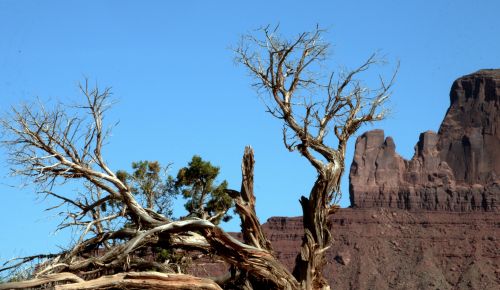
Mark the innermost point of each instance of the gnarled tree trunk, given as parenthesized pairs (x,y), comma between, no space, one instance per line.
(317,238)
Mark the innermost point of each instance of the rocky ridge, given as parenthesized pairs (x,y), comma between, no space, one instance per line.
(455,169)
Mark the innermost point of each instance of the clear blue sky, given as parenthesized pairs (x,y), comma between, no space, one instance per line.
(180,94)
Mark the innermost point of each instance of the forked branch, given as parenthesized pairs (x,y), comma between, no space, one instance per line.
(312,104)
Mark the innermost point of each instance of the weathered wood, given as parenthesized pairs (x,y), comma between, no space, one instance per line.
(245,205)
(144,280)
(259,263)
(43,280)
(264,269)
(317,237)
(131,280)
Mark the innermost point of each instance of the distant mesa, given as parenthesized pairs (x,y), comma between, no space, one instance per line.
(456,169)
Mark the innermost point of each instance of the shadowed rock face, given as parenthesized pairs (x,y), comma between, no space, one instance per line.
(456,169)
(469,135)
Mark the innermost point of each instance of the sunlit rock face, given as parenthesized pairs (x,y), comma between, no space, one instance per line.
(456,169)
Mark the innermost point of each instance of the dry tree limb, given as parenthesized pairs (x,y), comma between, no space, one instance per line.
(245,205)
(131,280)
(50,279)
(250,226)
(144,280)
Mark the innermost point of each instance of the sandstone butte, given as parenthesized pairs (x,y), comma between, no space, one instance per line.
(431,222)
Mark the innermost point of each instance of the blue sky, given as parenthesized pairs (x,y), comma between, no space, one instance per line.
(179,92)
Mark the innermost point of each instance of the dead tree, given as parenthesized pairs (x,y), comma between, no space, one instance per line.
(313,105)
(64,145)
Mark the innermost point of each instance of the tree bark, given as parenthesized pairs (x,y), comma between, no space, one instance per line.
(144,280)
(264,270)
(317,237)
(48,279)
(131,280)
(245,205)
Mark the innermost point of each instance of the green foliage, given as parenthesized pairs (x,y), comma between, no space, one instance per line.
(174,257)
(163,255)
(205,198)
(149,182)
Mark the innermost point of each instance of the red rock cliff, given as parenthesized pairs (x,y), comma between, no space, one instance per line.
(383,248)
(456,169)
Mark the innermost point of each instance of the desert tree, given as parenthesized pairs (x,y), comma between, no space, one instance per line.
(52,146)
(205,198)
(320,111)
(150,182)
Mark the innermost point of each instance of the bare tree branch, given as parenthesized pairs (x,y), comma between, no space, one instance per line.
(311,106)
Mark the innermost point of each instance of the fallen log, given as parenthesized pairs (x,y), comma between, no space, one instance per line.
(131,280)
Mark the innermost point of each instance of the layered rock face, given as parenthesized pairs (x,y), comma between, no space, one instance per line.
(389,248)
(383,248)
(456,169)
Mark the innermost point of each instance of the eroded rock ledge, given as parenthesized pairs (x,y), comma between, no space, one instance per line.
(456,169)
